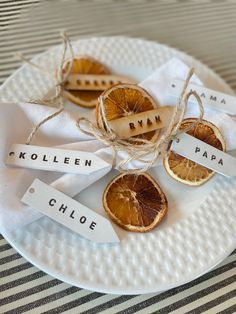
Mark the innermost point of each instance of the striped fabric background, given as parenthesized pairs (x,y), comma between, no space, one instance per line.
(204,29)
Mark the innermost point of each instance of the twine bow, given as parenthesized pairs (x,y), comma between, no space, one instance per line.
(136,148)
(57,99)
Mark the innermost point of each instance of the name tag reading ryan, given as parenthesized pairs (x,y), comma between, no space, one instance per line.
(69,213)
(54,159)
(142,122)
(187,146)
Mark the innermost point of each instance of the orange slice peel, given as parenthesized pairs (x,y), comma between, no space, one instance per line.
(185,170)
(135,202)
(123,100)
(84,65)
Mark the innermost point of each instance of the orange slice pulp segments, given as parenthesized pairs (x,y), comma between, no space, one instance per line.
(185,170)
(126,99)
(135,202)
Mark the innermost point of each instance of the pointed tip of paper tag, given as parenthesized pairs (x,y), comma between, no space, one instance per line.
(112,239)
(113,235)
(108,234)
(69,213)
(104,164)
(117,240)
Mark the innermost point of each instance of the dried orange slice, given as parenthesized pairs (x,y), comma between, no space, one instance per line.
(85,65)
(135,202)
(126,99)
(185,170)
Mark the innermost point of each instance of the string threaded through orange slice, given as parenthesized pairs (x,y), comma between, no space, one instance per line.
(123,100)
(185,170)
(85,65)
(135,202)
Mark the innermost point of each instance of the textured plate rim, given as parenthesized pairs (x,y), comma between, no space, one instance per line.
(100,288)
(51,271)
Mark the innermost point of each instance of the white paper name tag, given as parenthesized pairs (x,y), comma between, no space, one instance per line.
(69,213)
(210,98)
(204,154)
(54,159)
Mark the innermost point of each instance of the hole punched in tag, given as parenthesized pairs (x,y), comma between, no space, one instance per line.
(31,190)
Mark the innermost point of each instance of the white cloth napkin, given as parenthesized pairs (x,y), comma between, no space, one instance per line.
(62,130)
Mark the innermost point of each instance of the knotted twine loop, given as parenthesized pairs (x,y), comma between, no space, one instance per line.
(57,99)
(137,149)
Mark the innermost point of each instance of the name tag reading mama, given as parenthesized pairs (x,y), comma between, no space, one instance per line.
(210,98)
(54,159)
(69,213)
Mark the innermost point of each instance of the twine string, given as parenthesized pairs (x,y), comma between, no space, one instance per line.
(57,99)
(136,148)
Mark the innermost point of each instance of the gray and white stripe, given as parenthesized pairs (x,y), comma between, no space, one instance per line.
(204,29)
(26,288)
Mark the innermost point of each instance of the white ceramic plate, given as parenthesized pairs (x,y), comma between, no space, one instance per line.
(197,234)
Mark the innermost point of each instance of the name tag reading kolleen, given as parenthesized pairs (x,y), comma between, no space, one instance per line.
(54,159)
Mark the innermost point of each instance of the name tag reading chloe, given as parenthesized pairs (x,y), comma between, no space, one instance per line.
(54,159)
(69,212)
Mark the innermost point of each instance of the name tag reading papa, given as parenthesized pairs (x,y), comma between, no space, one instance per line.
(69,212)
(204,154)
(54,159)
